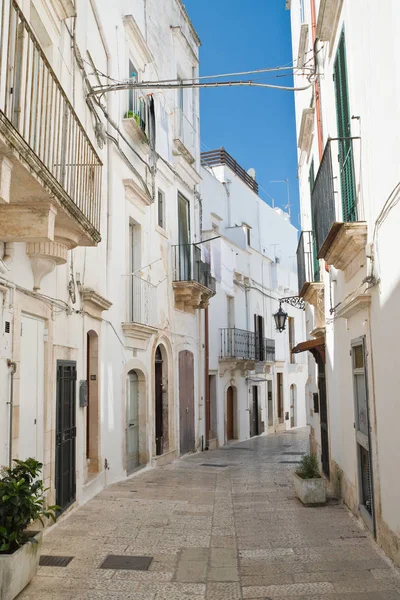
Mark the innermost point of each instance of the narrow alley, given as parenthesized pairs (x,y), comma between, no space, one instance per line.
(218,525)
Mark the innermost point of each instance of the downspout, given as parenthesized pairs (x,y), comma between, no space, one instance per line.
(13,366)
(317,88)
(207,375)
(228,197)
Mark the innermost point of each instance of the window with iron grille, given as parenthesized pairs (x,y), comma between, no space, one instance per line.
(346,159)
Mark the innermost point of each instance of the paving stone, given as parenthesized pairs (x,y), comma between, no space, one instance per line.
(223,591)
(222,574)
(224,535)
(194,571)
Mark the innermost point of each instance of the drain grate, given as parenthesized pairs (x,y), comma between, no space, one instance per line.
(290,462)
(213,465)
(294,453)
(128,563)
(46,560)
(237,448)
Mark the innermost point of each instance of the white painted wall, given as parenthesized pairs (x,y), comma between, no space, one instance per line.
(163,45)
(374,93)
(259,282)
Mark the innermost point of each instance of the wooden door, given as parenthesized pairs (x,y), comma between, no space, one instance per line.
(229,414)
(31,407)
(280,397)
(254,428)
(323,416)
(159,421)
(132,422)
(65,433)
(186,402)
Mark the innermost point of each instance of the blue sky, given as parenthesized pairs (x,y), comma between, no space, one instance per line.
(256,126)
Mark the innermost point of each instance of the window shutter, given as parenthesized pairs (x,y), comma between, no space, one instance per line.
(346,160)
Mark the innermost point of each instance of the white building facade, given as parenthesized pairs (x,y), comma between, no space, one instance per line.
(256,384)
(348,274)
(102,290)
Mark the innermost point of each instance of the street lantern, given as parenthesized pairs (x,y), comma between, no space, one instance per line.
(280,319)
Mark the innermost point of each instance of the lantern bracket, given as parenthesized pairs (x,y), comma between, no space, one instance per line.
(294,301)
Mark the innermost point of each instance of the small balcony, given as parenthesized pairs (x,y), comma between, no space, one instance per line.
(192,281)
(50,173)
(186,133)
(244,348)
(142,303)
(340,230)
(136,120)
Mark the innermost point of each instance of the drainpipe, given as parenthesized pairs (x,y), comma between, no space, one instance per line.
(13,366)
(207,375)
(317,87)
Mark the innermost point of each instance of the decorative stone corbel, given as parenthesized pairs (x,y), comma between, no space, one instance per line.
(44,257)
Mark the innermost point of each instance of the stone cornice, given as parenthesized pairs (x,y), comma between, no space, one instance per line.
(98,302)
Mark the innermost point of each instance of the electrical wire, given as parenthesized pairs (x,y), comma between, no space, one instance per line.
(148,85)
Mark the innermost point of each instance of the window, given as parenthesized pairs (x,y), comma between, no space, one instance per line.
(311,179)
(346,161)
(161,209)
(302,11)
(132,74)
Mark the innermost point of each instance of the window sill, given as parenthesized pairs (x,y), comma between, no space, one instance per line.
(162,231)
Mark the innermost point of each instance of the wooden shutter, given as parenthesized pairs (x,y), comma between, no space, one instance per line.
(346,160)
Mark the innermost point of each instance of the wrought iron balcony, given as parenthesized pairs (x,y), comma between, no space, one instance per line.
(240,344)
(339,227)
(142,323)
(142,301)
(52,158)
(307,262)
(186,132)
(192,280)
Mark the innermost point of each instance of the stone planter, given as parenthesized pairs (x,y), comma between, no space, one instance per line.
(310,491)
(18,569)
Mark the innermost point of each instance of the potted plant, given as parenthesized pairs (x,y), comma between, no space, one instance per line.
(309,486)
(22,502)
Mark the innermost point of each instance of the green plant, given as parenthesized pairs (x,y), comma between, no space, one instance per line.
(22,501)
(308,467)
(129,114)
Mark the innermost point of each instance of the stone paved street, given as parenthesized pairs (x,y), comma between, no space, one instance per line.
(229,532)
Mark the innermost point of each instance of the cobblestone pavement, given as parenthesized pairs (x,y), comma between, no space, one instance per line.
(227,532)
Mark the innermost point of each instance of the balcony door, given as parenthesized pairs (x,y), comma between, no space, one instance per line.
(362,430)
(135,300)
(184,262)
(343,116)
(259,336)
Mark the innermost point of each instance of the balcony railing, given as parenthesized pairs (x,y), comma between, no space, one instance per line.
(241,344)
(307,262)
(142,301)
(186,131)
(213,158)
(323,197)
(35,106)
(188,266)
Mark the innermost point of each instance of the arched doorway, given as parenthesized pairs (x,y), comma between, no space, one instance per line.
(132,421)
(92,409)
(230,413)
(161,401)
(293,408)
